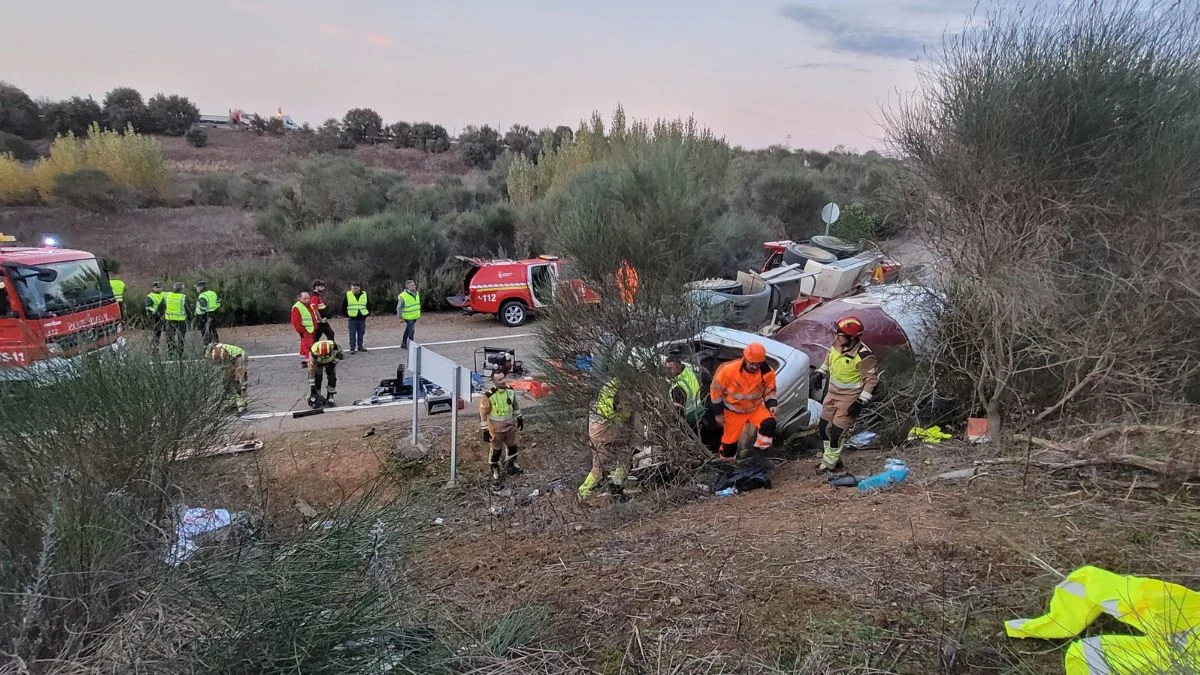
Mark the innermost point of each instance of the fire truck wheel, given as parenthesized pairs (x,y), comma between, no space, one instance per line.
(513,313)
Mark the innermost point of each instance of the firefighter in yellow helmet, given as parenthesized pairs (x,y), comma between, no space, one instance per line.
(853,373)
(499,420)
(323,358)
(232,360)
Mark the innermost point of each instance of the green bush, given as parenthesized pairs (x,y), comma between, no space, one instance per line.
(489,231)
(18,147)
(856,223)
(255,293)
(448,196)
(374,249)
(19,114)
(793,199)
(362,124)
(83,486)
(196,137)
(214,189)
(480,146)
(73,116)
(91,190)
(124,108)
(335,188)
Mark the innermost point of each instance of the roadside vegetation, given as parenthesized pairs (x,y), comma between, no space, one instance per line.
(1068,318)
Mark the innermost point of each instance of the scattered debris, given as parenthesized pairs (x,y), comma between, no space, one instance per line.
(958,474)
(747,478)
(977,430)
(438,521)
(863,440)
(370,432)
(231,449)
(932,435)
(304,508)
(727,492)
(844,480)
(894,471)
(193,525)
(676,601)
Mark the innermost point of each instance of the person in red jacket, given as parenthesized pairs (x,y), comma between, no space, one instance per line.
(317,304)
(304,322)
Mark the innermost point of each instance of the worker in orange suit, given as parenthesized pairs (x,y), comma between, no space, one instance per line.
(627,282)
(743,392)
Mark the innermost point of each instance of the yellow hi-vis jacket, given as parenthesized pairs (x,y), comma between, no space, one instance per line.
(1168,615)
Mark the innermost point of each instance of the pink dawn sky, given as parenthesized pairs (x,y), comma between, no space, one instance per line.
(755,71)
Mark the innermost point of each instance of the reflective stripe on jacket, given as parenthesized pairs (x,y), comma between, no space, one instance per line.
(742,391)
(1168,615)
(118,289)
(689,384)
(175,306)
(410,305)
(356,307)
(207,302)
(153,300)
(499,406)
(855,369)
(606,403)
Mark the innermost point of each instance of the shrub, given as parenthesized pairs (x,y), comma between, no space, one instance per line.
(17,187)
(171,115)
(490,231)
(793,199)
(402,135)
(19,115)
(334,188)
(91,190)
(124,109)
(856,223)
(133,161)
(362,124)
(74,116)
(214,189)
(196,137)
(19,148)
(374,249)
(82,485)
(257,293)
(479,146)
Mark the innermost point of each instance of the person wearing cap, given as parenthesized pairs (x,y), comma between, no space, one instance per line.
(322,362)
(317,304)
(154,300)
(743,392)
(207,304)
(852,371)
(176,313)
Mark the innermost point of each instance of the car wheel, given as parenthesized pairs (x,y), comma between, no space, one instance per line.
(513,313)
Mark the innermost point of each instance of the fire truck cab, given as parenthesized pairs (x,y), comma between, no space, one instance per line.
(55,306)
(514,289)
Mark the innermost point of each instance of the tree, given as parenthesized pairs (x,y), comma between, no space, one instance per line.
(402,134)
(521,140)
(479,146)
(1064,225)
(793,199)
(123,108)
(171,115)
(18,113)
(72,116)
(362,124)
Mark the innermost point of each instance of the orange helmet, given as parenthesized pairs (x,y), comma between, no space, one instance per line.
(322,349)
(849,326)
(754,352)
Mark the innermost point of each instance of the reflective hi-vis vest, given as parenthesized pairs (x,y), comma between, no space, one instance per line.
(176,306)
(689,384)
(410,305)
(843,368)
(356,307)
(228,351)
(1168,615)
(606,403)
(207,303)
(153,300)
(501,405)
(118,289)
(306,316)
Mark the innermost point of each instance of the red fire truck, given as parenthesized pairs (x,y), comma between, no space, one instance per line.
(55,306)
(512,289)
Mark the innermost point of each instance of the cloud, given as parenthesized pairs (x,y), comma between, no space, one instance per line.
(829,66)
(379,40)
(329,29)
(854,38)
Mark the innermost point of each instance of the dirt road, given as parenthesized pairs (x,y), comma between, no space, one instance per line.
(278,384)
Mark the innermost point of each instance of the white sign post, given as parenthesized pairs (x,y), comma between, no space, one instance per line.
(449,375)
(829,214)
